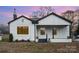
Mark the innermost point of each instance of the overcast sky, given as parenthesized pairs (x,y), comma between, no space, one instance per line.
(6,12)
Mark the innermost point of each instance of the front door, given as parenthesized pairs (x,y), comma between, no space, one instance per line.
(42,34)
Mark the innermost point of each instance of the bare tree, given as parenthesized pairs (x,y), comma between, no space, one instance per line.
(43,11)
(35,14)
(69,14)
(48,10)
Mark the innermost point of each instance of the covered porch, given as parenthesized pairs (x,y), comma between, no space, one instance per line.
(52,33)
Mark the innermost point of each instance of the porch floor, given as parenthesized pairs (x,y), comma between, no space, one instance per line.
(54,40)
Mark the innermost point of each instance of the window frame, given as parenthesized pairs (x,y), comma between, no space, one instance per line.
(24,30)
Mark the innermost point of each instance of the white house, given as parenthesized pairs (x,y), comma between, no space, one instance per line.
(52,28)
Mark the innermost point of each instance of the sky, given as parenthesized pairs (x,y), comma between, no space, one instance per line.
(6,12)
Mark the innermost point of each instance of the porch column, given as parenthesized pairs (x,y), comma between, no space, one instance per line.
(35,32)
(53,33)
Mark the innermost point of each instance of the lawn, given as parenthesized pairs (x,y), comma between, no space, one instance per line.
(29,47)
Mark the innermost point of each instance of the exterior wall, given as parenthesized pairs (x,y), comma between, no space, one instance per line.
(48,31)
(53,20)
(49,22)
(62,32)
(19,22)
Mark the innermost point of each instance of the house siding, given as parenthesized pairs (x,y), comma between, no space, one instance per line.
(18,22)
(53,20)
(62,32)
(50,22)
(63,28)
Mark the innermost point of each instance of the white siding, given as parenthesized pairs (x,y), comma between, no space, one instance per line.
(62,32)
(18,22)
(49,22)
(53,20)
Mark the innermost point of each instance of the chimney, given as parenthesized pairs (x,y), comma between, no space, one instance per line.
(14,14)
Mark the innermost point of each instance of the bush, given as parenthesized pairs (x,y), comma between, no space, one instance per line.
(16,40)
(28,40)
(5,38)
(22,40)
(10,38)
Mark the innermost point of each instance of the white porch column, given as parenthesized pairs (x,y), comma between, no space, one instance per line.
(35,33)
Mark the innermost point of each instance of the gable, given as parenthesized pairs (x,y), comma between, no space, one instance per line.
(18,33)
(53,20)
(21,20)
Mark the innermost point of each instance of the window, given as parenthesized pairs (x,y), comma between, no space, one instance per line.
(54,31)
(22,30)
(42,31)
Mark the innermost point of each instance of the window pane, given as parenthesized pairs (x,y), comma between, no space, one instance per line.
(22,30)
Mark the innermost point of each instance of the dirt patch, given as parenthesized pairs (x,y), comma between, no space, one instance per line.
(26,47)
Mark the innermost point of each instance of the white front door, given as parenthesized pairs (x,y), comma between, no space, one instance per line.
(42,33)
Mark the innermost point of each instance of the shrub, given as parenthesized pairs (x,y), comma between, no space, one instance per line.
(16,40)
(10,38)
(28,40)
(5,38)
(22,40)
